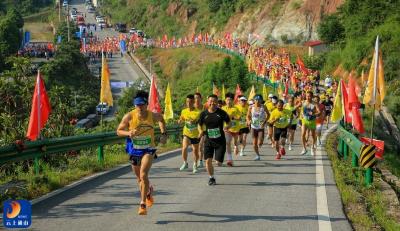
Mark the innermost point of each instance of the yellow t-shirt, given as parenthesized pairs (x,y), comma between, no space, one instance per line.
(281,118)
(295,120)
(191,119)
(145,130)
(243,114)
(270,106)
(234,115)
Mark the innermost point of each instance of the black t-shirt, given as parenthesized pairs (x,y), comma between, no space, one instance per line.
(328,105)
(214,124)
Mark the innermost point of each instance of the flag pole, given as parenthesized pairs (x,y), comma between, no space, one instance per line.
(101,82)
(375,85)
(36,160)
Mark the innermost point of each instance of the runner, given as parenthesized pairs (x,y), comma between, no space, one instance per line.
(138,126)
(198,104)
(233,132)
(328,102)
(280,118)
(320,119)
(190,117)
(271,105)
(257,116)
(244,129)
(212,125)
(295,120)
(310,112)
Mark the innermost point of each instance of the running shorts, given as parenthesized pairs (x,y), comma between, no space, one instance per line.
(280,133)
(245,130)
(310,124)
(193,140)
(257,132)
(293,127)
(211,147)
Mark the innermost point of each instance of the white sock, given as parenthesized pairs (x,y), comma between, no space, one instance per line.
(229,157)
(212,176)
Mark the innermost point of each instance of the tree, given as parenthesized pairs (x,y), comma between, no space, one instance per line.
(330,29)
(214,5)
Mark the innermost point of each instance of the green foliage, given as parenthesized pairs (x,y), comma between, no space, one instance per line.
(26,7)
(276,8)
(330,29)
(285,38)
(315,62)
(10,36)
(358,23)
(214,5)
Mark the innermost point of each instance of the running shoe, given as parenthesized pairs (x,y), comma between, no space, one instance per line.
(319,142)
(278,156)
(290,147)
(200,164)
(282,151)
(303,152)
(212,181)
(229,163)
(241,153)
(313,152)
(195,168)
(149,197)
(142,209)
(257,157)
(184,166)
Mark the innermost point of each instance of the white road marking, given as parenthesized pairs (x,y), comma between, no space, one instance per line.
(324,221)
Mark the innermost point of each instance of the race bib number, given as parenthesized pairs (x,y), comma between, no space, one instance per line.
(214,133)
(191,126)
(141,142)
(233,123)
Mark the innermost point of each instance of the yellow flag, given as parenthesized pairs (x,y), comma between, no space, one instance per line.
(252,93)
(374,94)
(272,76)
(223,92)
(105,91)
(168,112)
(337,112)
(265,92)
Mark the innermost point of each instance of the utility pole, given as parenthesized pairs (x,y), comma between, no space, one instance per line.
(59,11)
(68,23)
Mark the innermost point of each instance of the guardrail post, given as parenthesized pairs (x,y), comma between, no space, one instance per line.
(369,176)
(354,160)
(36,165)
(345,151)
(100,155)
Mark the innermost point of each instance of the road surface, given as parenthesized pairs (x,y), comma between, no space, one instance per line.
(287,194)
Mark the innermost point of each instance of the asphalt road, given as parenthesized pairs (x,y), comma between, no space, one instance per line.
(253,195)
(123,70)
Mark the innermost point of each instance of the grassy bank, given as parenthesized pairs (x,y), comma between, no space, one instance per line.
(62,170)
(366,207)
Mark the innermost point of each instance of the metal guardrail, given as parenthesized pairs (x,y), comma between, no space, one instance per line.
(349,144)
(36,149)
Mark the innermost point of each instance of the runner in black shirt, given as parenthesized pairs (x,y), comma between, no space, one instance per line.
(212,125)
(328,102)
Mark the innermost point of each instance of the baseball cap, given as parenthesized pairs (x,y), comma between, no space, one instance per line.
(258,97)
(270,95)
(243,98)
(139,101)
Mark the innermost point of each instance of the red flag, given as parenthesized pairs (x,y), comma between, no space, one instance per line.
(154,104)
(302,66)
(354,106)
(40,109)
(237,93)
(345,103)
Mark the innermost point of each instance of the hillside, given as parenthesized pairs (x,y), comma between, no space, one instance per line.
(261,21)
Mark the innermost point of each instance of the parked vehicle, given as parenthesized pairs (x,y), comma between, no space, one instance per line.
(120,27)
(99,17)
(94,118)
(140,33)
(65,3)
(102,108)
(85,123)
(133,31)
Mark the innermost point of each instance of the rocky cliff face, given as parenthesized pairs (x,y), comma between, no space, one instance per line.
(279,20)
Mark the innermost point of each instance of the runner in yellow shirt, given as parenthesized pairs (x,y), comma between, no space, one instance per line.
(290,105)
(244,129)
(280,118)
(233,132)
(190,117)
(271,105)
